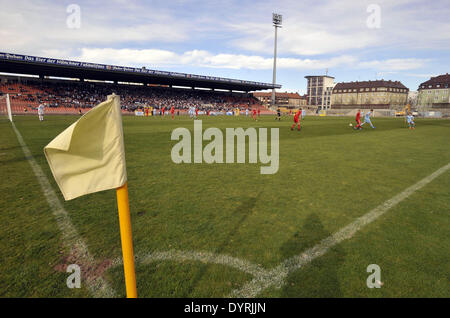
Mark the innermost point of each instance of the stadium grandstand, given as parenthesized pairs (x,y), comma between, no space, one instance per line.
(67,87)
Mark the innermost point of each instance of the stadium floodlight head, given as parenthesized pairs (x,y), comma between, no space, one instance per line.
(277,19)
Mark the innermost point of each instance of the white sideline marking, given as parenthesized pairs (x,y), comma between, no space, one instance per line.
(98,287)
(277,276)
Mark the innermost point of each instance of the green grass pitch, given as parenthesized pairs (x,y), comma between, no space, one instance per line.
(328,176)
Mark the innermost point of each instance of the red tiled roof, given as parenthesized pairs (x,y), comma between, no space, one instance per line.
(369,84)
(441,80)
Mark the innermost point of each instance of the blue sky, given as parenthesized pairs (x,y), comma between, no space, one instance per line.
(405,40)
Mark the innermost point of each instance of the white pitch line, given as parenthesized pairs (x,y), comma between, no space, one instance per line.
(71,239)
(203,257)
(277,276)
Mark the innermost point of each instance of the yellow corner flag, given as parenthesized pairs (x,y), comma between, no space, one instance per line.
(89,156)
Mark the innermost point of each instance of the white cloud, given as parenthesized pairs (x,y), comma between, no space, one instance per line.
(154,58)
(394,64)
(330,27)
(301,38)
(427,76)
(309,28)
(29,27)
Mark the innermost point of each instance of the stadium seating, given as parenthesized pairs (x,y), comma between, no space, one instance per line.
(69,97)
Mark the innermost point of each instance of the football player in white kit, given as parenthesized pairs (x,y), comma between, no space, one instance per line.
(367,119)
(40,110)
(410,121)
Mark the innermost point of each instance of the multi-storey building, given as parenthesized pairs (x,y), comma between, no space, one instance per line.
(378,94)
(412,98)
(290,100)
(435,93)
(319,90)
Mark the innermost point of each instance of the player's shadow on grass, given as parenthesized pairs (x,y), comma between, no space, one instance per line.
(320,277)
(241,212)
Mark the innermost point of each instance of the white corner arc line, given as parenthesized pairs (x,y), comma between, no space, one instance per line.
(71,239)
(277,275)
(203,257)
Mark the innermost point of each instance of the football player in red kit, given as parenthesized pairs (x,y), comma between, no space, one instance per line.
(297,119)
(358,120)
(254,114)
(172,110)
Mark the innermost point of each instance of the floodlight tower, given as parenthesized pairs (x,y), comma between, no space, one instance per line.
(277,20)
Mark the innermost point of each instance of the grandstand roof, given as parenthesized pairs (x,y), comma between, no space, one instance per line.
(33,65)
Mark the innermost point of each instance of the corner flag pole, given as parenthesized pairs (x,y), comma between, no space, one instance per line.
(77,174)
(127,240)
